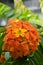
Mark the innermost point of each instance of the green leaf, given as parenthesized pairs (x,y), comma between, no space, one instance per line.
(4,10)
(37,22)
(2,30)
(42,42)
(8,62)
(8,12)
(1,42)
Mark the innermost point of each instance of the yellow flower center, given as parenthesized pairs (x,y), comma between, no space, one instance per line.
(19,32)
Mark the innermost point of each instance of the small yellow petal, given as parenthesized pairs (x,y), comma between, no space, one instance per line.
(17,35)
(16,31)
(23,30)
(22,35)
(16,20)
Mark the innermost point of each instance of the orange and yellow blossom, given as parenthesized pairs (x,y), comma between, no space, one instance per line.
(21,38)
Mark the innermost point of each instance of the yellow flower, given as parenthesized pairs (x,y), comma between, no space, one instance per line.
(19,32)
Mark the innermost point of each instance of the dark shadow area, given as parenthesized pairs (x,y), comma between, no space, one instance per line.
(8,2)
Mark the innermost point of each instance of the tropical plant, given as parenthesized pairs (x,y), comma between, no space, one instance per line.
(33,59)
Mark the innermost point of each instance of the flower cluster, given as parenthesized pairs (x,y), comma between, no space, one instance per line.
(21,38)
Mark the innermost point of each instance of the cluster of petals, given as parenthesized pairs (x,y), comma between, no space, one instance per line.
(21,38)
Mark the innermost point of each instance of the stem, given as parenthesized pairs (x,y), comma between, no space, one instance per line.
(19,6)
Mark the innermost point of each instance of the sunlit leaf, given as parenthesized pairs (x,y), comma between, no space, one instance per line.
(37,58)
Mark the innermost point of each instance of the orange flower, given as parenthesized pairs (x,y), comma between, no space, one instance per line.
(21,38)
(2,59)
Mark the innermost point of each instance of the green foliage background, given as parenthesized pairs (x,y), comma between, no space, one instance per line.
(37,57)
